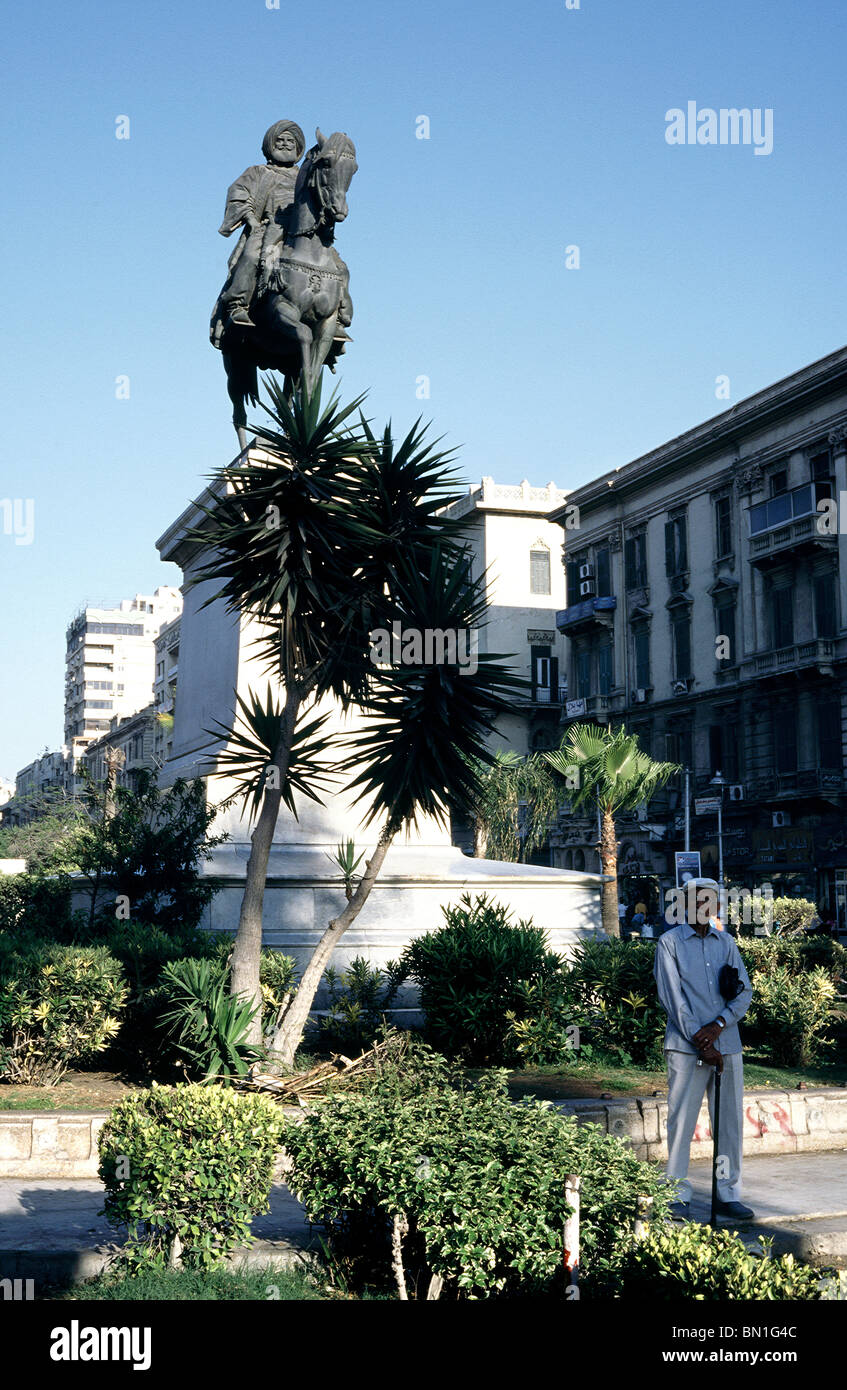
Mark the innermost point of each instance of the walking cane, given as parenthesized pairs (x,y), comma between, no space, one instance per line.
(716,1130)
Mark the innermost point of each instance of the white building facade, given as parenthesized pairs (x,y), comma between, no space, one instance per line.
(110,663)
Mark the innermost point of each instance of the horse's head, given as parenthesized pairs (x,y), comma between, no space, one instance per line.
(328,168)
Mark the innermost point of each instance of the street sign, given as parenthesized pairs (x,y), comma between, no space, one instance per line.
(687,866)
(574,708)
(706,805)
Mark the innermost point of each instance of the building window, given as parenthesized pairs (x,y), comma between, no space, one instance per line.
(635,560)
(641,654)
(723,526)
(725,628)
(825,624)
(829,735)
(676,546)
(681,630)
(545,675)
(723,749)
(678,750)
(779,482)
(604,668)
(785,740)
(821,476)
(539,572)
(782,617)
(603,571)
(582,671)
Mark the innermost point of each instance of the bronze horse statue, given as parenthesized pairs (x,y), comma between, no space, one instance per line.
(301,306)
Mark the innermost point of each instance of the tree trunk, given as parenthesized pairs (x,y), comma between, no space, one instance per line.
(288,1037)
(247,951)
(609,865)
(480,838)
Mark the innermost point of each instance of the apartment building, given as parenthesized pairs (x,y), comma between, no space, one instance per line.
(134,737)
(513,541)
(110,663)
(707,612)
(164,689)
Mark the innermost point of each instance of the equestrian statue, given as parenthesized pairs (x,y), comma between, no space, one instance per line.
(286,303)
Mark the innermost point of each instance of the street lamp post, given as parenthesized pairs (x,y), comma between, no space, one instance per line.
(720,782)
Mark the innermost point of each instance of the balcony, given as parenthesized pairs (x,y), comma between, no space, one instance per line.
(597,707)
(815,655)
(591,612)
(787,525)
(776,786)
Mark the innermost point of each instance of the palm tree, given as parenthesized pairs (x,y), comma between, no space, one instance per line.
(612,773)
(518,801)
(329,535)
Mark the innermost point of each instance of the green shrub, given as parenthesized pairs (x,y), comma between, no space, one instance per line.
(614,1000)
(471,975)
(696,1262)
(789,916)
(358,998)
(186,1169)
(478,1181)
(34,906)
(58,1005)
(798,954)
(794,1012)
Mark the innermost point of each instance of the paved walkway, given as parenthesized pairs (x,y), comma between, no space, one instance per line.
(799,1199)
(52,1227)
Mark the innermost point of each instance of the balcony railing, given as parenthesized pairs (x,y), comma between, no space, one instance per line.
(819,652)
(808,782)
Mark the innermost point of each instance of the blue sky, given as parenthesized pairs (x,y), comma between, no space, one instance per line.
(546,131)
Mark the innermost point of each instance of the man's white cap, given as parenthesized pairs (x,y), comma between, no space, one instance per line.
(703,883)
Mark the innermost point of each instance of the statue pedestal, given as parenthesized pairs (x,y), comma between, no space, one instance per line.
(422,872)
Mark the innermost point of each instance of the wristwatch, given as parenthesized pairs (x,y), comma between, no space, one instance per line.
(720,1023)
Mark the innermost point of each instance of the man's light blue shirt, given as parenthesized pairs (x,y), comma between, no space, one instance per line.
(686,968)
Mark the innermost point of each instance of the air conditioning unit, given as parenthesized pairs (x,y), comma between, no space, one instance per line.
(736,793)
(779,819)
(680,687)
(639,696)
(587,588)
(586,571)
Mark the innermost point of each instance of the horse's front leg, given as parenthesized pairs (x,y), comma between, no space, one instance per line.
(323,337)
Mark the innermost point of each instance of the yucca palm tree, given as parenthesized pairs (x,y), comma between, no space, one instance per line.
(611,773)
(329,535)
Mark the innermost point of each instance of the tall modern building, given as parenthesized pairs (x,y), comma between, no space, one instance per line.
(707,611)
(110,663)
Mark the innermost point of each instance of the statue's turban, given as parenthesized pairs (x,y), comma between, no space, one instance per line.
(273,132)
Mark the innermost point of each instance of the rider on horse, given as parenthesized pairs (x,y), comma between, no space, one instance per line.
(257,201)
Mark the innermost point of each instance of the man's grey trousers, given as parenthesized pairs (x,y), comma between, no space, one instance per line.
(687,1084)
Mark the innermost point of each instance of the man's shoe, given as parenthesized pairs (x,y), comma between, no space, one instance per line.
(680,1211)
(736,1210)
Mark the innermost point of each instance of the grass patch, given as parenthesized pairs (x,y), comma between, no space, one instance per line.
(78,1090)
(191,1286)
(590,1080)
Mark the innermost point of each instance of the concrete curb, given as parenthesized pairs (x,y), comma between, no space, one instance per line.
(775,1122)
(63,1143)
